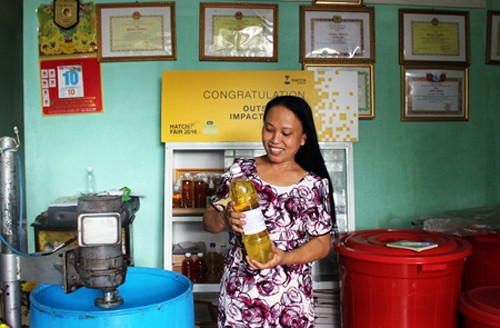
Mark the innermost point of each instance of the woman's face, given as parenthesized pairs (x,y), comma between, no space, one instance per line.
(282,134)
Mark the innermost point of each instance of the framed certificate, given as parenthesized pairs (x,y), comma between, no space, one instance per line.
(366,87)
(431,36)
(434,94)
(493,38)
(338,2)
(238,32)
(136,31)
(336,33)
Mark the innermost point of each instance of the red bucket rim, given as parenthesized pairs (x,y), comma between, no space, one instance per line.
(371,245)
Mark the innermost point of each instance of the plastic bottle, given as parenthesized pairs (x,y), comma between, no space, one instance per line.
(177,195)
(222,256)
(187,191)
(200,269)
(90,180)
(212,264)
(200,191)
(255,236)
(188,266)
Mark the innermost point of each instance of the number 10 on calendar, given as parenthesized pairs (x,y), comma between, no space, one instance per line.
(70,81)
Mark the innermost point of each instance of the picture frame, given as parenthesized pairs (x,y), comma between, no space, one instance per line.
(434,93)
(339,2)
(493,38)
(427,37)
(238,32)
(337,34)
(366,84)
(136,31)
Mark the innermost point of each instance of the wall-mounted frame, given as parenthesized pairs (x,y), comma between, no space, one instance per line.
(493,38)
(434,93)
(238,32)
(432,36)
(136,31)
(366,84)
(336,34)
(338,2)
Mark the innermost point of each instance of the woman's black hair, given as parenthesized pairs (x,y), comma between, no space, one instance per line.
(309,156)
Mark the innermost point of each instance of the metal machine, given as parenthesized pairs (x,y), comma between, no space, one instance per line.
(97,262)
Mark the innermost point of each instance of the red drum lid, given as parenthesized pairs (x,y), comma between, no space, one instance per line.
(371,245)
(482,304)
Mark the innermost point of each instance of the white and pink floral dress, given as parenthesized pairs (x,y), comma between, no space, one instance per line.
(280,296)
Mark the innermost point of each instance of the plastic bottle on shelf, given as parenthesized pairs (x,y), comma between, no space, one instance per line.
(177,195)
(210,188)
(255,235)
(188,266)
(200,191)
(222,256)
(187,191)
(200,269)
(212,264)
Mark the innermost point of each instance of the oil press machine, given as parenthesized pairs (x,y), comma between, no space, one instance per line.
(97,262)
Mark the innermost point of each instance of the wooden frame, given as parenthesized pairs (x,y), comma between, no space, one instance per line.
(493,38)
(238,32)
(366,85)
(427,37)
(339,2)
(434,93)
(337,34)
(136,31)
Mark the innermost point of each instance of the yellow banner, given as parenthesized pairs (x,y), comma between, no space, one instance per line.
(228,106)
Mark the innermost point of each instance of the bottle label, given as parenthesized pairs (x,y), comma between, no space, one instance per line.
(254,222)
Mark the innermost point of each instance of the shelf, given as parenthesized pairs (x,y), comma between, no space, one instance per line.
(214,288)
(326,285)
(187,211)
(206,288)
(187,219)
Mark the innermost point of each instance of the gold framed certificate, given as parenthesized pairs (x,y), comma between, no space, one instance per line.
(366,84)
(336,34)
(434,93)
(136,31)
(431,36)
(493,38)
(338,2)
(238,32)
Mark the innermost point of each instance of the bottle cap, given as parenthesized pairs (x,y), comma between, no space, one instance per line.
(188,254)
(200,254)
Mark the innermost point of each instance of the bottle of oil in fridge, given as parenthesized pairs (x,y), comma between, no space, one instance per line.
(255,236)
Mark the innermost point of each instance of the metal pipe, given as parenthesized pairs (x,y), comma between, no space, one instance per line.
(9,207)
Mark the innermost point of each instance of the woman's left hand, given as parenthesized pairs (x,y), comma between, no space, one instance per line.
(278,259)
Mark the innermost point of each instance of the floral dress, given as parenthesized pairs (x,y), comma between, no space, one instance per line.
(279,296)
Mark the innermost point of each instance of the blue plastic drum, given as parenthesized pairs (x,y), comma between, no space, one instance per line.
(151,298)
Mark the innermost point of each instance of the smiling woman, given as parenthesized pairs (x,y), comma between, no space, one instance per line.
(295,197)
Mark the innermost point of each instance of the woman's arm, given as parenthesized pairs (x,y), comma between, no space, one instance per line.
(216,221)
(213,220)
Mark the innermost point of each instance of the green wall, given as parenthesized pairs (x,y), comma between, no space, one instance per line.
(402,170)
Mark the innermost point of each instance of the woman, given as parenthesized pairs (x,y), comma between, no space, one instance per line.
(295,196)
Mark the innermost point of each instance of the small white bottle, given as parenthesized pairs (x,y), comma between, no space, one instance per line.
(90,180)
